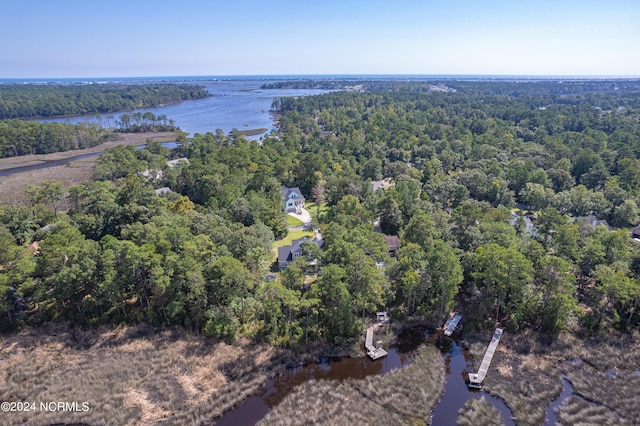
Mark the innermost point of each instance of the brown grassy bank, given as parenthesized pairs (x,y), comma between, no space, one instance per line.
(130,375)
(526,373)
(479,411)
(12,186)
(401,397)
(253,132)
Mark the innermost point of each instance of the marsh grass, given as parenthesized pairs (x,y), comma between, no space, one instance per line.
(479,411)
(615,390)
(133,375)
(521,374)
(577,411)
(526,373)
(12,187)
(400,397)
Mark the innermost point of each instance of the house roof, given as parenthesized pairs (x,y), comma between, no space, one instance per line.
(163,190)
(34,247)
(381,184)
(285,253)
(392,241)
(527,222)
(594,221)
(287,191)
(178,162)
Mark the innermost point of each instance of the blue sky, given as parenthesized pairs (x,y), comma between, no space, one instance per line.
(118,38)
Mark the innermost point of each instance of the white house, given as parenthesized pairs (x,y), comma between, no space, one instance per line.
(293,199)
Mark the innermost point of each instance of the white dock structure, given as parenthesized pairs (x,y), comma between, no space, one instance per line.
(475,379)
(451,324)
(376,352)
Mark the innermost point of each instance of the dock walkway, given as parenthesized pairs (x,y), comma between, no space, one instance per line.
(451,324)
(373,351)
(475,379)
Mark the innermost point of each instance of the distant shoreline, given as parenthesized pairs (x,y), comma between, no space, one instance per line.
(182,79)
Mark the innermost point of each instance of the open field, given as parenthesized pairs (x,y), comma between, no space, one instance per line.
(130,375)
(12,186)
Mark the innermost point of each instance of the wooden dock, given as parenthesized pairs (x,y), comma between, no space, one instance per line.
(375,352)
(451,324)
(475,379)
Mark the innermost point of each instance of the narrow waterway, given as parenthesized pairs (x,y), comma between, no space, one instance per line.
(64,161)
(256,407)
(457,363)
(551,417)
(46,164)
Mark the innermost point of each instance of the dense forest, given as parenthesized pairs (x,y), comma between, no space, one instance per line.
(38,101)
(494,197)
(18,137)
(475,86)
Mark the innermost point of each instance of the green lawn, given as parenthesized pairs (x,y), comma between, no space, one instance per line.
(312,208)
(292,235)
(294,221)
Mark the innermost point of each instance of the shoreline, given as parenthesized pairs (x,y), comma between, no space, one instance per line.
(12,186)
(133,139)
(94,114)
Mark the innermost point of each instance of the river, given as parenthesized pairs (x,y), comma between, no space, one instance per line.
(457,362)
(235,104)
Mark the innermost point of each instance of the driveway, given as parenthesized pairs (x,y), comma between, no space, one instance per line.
(304,216)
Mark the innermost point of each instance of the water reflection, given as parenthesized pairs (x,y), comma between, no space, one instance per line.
(457,364)
(275,390)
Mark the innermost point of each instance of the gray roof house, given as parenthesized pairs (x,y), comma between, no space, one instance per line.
(292,199)
(163,190)
(393,242)
(594,221)
(288,254)
(178,162)
(528,223)
(382,184)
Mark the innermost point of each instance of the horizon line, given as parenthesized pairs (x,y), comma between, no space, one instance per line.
(328,76)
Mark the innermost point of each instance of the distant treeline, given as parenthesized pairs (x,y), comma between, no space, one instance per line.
(139,122)
(470,86)
(29,101)
(352,84)
(19,137)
